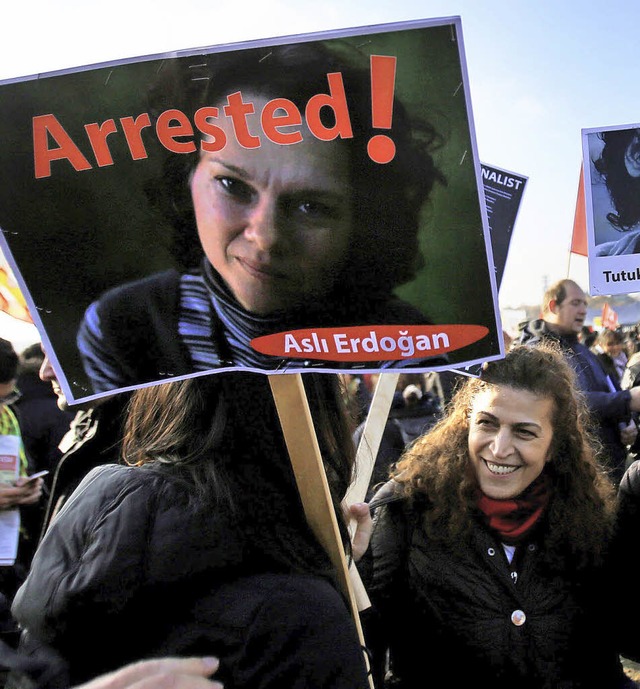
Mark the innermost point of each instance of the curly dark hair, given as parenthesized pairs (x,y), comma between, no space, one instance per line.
(580,513)
(624,190)
(387,199)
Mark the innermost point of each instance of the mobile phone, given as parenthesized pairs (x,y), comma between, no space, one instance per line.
(35,476)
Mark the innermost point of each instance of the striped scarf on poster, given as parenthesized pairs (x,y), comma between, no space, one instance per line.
(214,327)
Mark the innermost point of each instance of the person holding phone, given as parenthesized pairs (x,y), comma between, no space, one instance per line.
(16,490)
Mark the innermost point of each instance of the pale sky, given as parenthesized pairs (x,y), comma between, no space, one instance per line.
(538,72)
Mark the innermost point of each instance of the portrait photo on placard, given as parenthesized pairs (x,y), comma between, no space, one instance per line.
(611,164)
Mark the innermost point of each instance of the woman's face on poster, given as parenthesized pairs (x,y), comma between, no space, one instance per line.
(275,221)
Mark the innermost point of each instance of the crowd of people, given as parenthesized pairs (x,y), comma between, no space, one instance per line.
(171,545)
(158,538)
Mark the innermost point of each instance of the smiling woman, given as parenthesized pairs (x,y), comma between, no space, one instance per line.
(490,539)
(510,433)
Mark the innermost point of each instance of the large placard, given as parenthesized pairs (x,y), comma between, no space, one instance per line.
(611,169)
(306,203)
(503,192)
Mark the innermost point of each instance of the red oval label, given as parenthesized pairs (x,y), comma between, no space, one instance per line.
(369,342)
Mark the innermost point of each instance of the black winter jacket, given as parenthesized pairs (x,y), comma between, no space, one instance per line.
(623,561)
(455,617)
(133,566)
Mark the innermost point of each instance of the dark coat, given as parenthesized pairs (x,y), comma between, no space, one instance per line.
(135,566)
(94,438)
(607,402)
(139,334)
(458,616)
(623,562)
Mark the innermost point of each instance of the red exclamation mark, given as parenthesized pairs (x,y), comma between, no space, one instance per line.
(381,148)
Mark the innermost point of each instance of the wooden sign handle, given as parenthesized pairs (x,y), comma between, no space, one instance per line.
(371,438)
(304,452)
(366,454)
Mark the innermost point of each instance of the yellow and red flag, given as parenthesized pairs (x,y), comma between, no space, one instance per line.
(11,298)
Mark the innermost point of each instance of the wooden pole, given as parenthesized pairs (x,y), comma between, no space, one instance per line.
(369,444)
(304,452)
(366,454)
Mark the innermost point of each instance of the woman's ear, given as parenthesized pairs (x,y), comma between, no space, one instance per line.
(632,157)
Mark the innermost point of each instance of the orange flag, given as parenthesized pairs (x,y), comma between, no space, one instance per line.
(609,317)
(11,298)
(579,237)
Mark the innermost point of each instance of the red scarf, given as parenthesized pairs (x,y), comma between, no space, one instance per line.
(514,518)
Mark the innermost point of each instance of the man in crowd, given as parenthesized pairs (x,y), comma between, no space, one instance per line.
(42,423)
(16,492)
(93,439)
(564,310)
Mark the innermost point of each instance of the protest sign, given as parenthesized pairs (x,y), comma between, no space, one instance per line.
(611,169)
(503,191)
(306,203)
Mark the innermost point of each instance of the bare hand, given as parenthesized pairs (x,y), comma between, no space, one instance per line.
(23,493)
(635,398)
(164,673)
(629,433)
(364,527)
